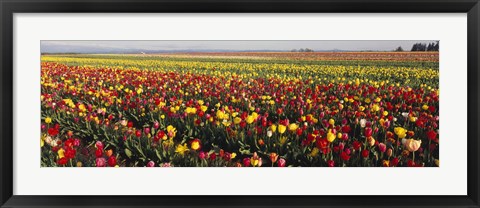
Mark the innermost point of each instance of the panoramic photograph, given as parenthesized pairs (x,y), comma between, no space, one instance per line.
(237,103)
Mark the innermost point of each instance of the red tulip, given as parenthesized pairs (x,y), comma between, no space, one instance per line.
(62,161)
(281,162)
(344,155)
(432,135)
(112,161)
(365,153)
(368,132)
(138,133)
(394,162)
(99,153)
(331,163)
(246,162)
(356,145)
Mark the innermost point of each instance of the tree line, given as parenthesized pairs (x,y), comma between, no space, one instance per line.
(302,50)
(433,46)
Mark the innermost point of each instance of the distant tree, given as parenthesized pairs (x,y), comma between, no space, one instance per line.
(423,47)
(419,47)
(414,47)
(302,50)
(399,49)
(431,47)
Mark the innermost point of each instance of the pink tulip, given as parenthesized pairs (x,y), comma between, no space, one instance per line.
(246,162)
(150,164)
(76,142)
(202,155)
(331,163)
(99,145)
(166,165)
(101,162)
(382,147)
(281,162)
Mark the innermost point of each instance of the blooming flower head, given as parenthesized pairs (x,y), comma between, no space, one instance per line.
(195,144)
(237,120)
(112,161)
(281,162)
(273,157)
(161,135)
(171,131)
(61,153)
(382,147)
(101,162)
(363,122)
(190,110)
(181,149)
(331,121)
(412,145)
(331,136)
(250,119)
(166,165)
(109,152)
(255,160)
(281,128)
(371,141)
(151,164)
(48,120)
(400,132)
(99,145)
(246,162)
(273,127)
(82,108)
(269,133)
(293,127)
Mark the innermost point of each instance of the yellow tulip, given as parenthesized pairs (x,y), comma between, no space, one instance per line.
(331,121)
(400,132)
(250,119)
(293,127)
(331,137)
(273,127)
(425,107)
(61,153)
(181,149)
(237,120)
(281,128)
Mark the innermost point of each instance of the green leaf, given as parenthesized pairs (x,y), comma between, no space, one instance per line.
(140,151)
(128,153)
(158,154)
(245,151)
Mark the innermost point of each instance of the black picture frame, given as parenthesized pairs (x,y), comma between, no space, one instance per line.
(9,7)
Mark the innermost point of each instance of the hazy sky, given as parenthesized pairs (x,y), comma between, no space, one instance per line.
(119,46)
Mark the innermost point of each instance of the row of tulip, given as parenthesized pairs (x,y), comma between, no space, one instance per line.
(126,112)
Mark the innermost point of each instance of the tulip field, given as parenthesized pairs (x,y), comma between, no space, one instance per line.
(240,109)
